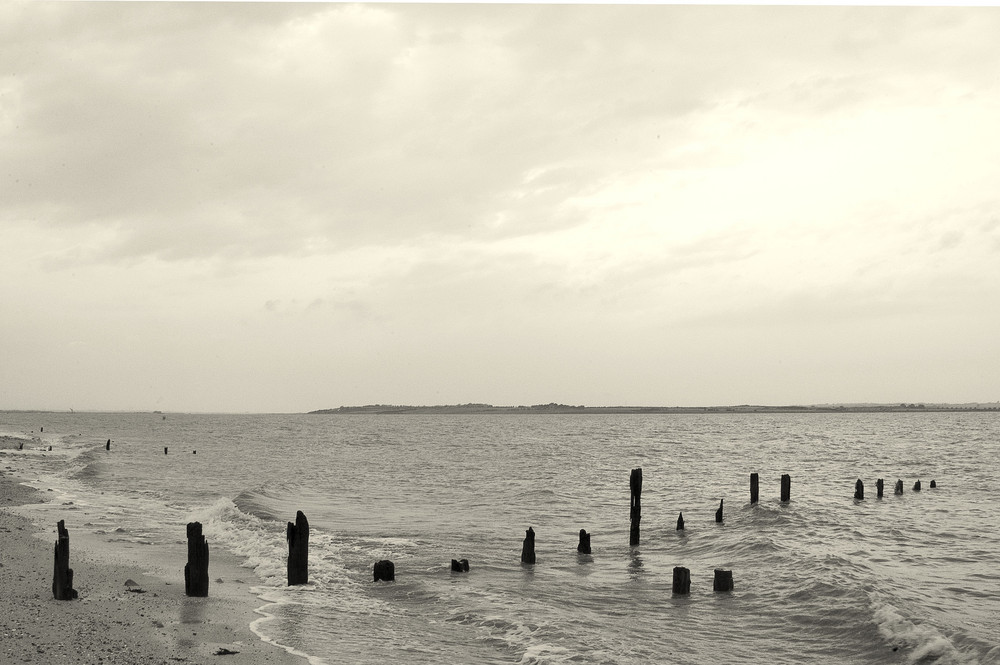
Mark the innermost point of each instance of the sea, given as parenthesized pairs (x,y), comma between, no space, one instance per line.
(822,578)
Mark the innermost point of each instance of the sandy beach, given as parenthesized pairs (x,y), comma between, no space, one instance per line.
(148,621)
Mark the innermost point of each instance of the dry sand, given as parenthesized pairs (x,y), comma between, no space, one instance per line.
(111,623)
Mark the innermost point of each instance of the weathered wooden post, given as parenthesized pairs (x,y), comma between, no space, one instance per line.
(786,487)
(459,565)
(933,484)
(916,486)
(384,571)
(62,575)
(107,446)
(635,512)
(718,513)
(297,535)
(196,570)
(859,490)
(584,546)
(682,580)
(680,521)
(528,547)
(899,487)
(754,488)
(164,450)
(879,485)
(723,580)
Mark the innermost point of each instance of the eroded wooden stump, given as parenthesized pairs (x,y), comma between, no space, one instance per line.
(786,488)
(898,489)
(297,535)
(680,521)
(62,574)
(723,580)
(859,490)
(718,513)
(916,486)
(459,565)
(584,545)
(635,509)
(528,547)
(879,486)
(196,570)
(754,487)
(384,571)
(682,580)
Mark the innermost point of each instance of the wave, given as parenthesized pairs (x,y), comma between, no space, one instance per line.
(923,642)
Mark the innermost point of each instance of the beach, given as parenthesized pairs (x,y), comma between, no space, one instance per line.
(150,621)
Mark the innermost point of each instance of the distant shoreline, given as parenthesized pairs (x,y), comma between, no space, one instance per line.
(459,409)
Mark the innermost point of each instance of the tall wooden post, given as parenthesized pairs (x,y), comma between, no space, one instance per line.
(723,580)
(879,486)
(754,488)
(718,513)
(297,535)
(196,570)
(682,580)
(528,547)
(62,574)
(786,488)
(584,546)
(859,490)
(899,487)
(635,512)
(680,521)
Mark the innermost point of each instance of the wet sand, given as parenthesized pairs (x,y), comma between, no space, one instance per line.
(150,622)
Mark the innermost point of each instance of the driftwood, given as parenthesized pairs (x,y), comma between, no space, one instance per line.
(62,574)
(196,570)
(635,511)
(297,535)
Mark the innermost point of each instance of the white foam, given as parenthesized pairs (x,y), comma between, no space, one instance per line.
(923,641)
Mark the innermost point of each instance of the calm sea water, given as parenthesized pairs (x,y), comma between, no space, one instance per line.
(822,578)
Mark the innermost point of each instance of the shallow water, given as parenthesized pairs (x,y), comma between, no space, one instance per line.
(901,579)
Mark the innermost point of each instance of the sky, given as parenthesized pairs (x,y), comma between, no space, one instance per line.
(274,207)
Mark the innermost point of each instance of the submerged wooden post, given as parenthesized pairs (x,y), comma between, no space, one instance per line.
(754,488)
(718,513)
(682,580)
(459,565)
(164,450)
(680,521)
(107,446)
(384,571)
(528,547)
(899,487)
(933,484)
(916,486)
(196,570)
(879,484)
(859,490)
(786,487)
(62,574)
(635,512)
(723,580)
(297,535)
(584,546)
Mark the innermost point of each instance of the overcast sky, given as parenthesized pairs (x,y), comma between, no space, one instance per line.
(274,207)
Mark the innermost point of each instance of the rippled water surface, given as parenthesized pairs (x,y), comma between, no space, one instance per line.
(822,578)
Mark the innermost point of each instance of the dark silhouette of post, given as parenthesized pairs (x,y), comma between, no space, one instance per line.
(459,565)
(635,512)
(528,547)
(164,450)
(916,486)
(297,535)
(754,488)
(899,487)
(718,513)
(107,446)
(196,570)
(879,486)
(933,484)
(680,521)
(584,546)
(682,580)
(859,490)
(723,580)
(384,571)
(62,574)
(786,488)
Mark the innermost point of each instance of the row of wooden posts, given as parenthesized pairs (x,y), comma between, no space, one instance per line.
(297,536)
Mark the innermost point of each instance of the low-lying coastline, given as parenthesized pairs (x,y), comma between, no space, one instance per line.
(741,408)
(148,621)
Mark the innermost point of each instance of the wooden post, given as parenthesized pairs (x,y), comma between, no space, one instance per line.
(164,450)
(62,574)
(879,485)
(384,571)
(584,546)
(899,487)
(682,580)
(786,487)
(680,522)
(196,570)
(933,484)
(859,490)
(635,512)
(718,513)
(297,535)
(107,446)
(916,486)
(723,580)
(528,548)
(754,488)
(460,566)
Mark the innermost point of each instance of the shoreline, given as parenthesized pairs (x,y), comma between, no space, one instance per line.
(150,622)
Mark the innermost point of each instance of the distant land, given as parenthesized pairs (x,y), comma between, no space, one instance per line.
(741,408)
